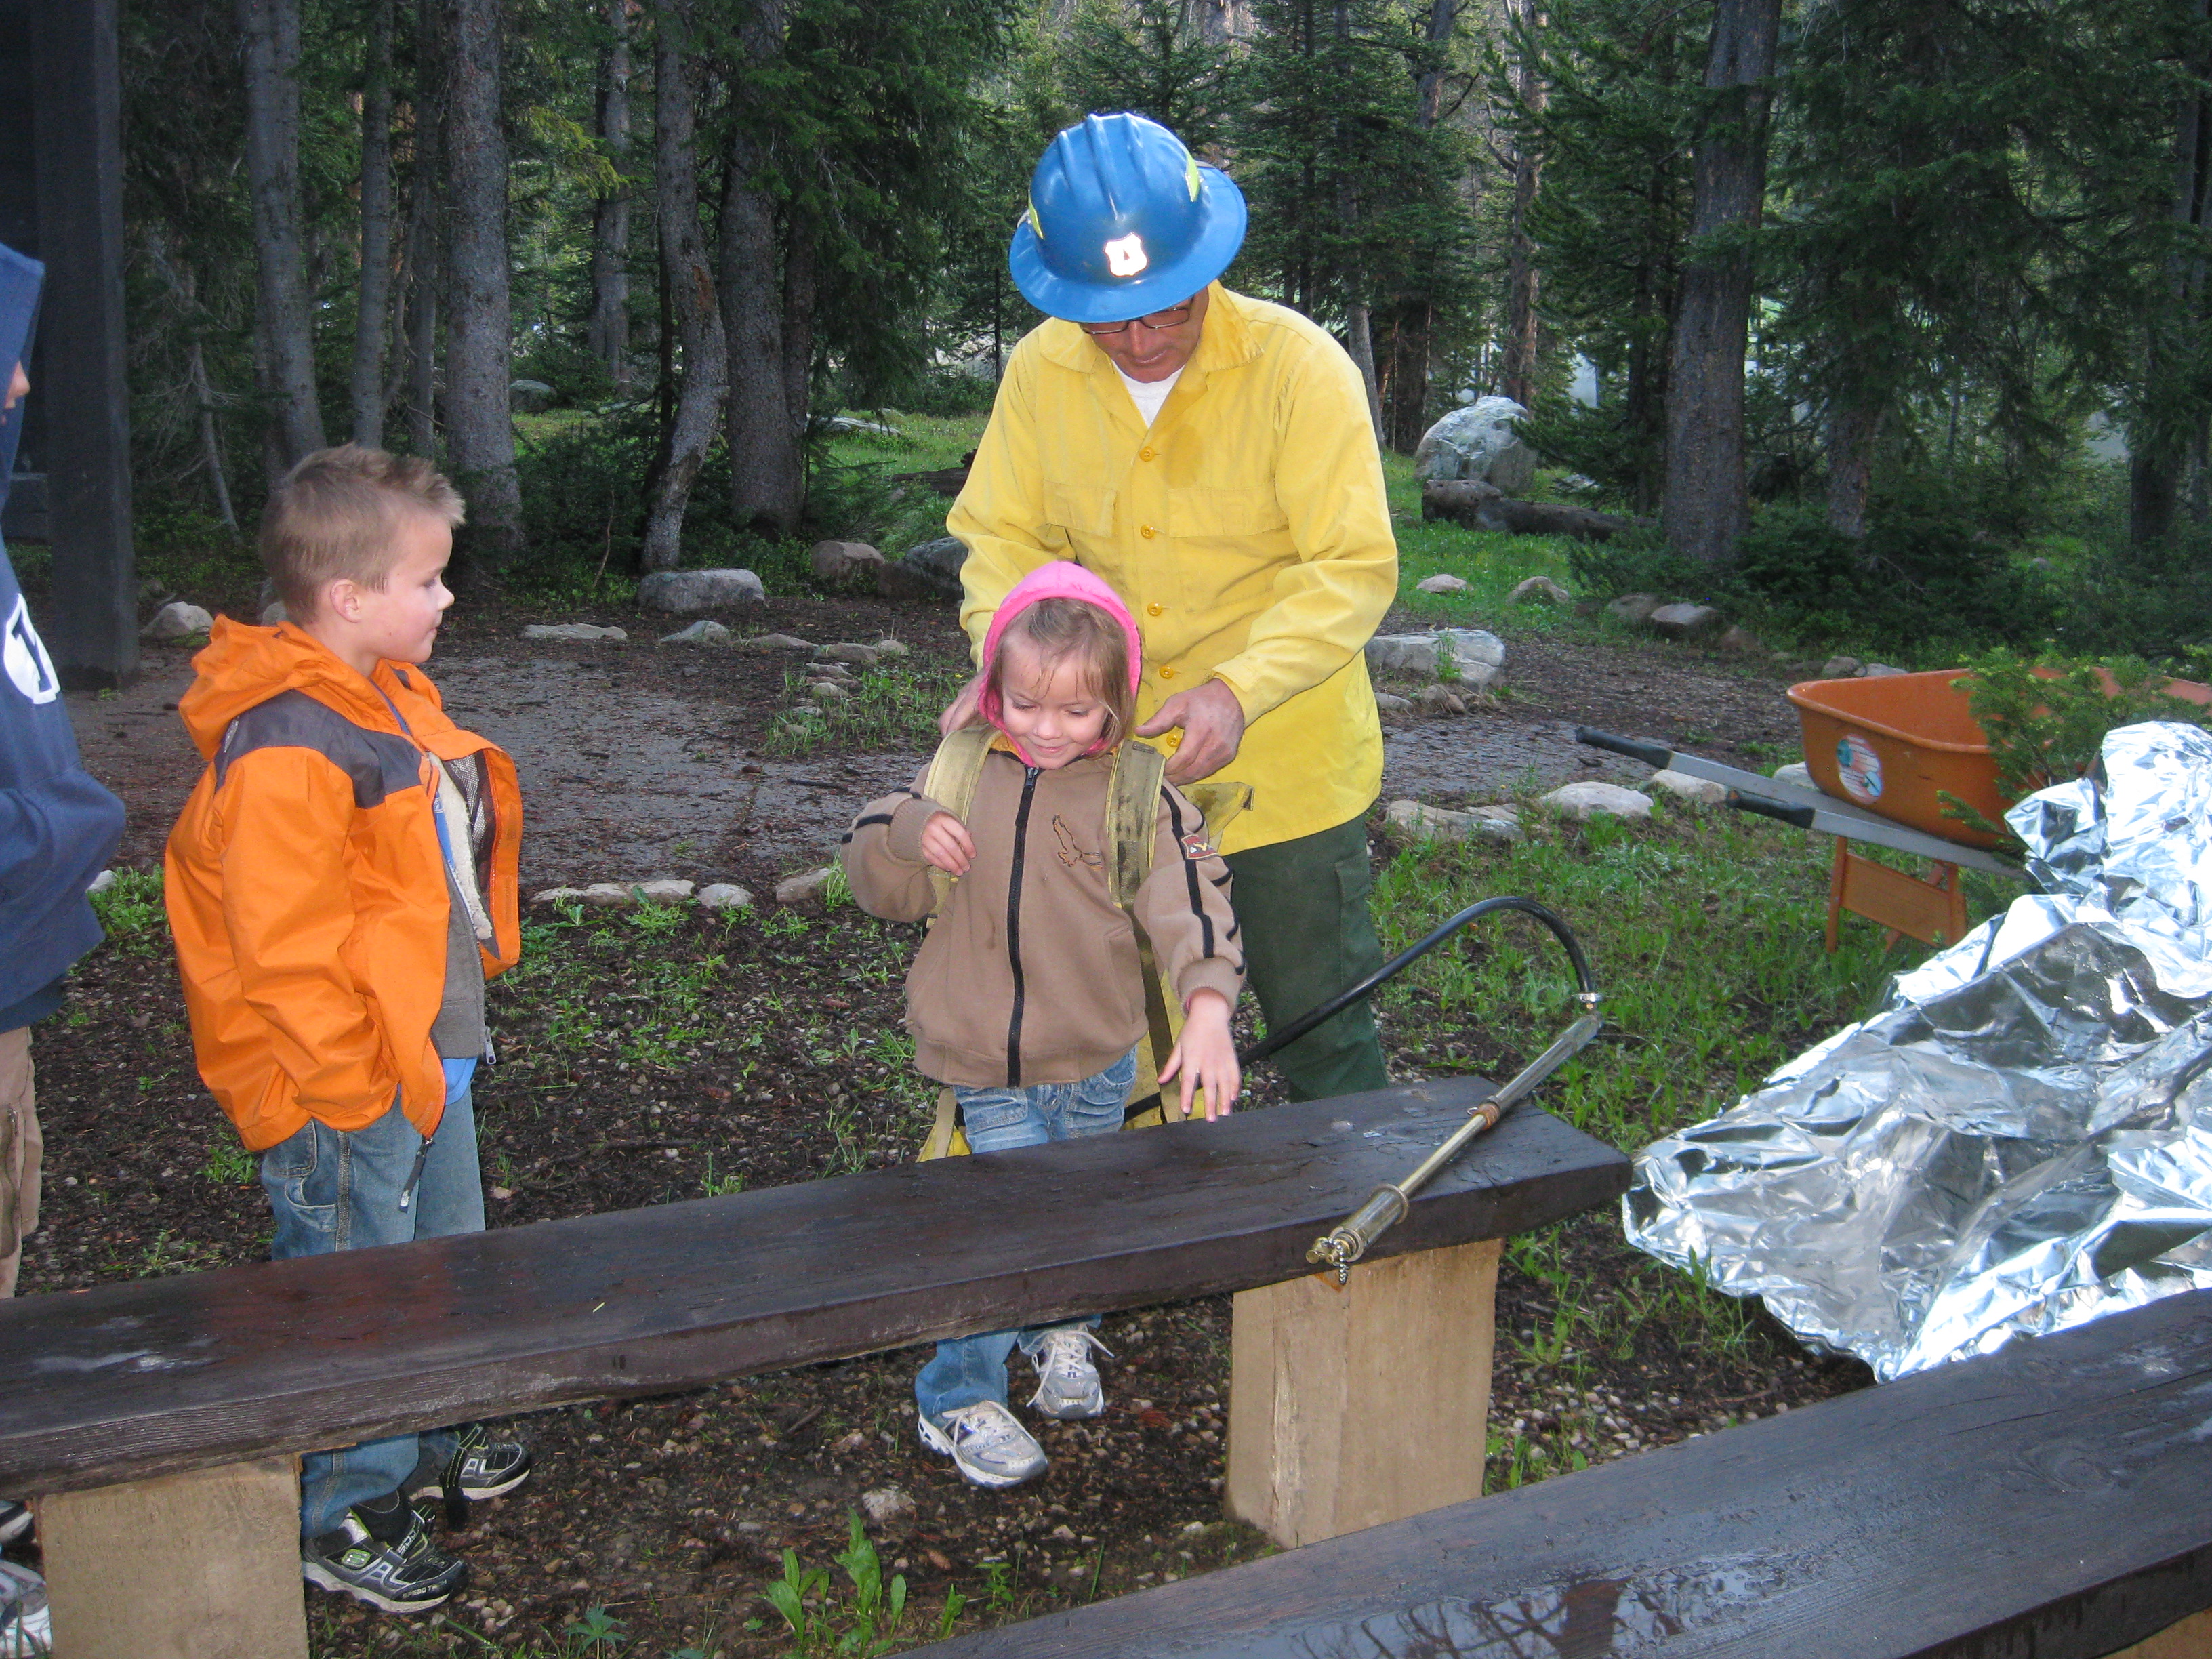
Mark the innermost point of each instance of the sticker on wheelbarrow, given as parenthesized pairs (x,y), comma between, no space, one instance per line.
(1859,768)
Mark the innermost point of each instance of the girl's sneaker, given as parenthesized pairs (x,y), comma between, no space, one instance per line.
(382,1554)
(985,1444)
(1068,1383)
(26,1628)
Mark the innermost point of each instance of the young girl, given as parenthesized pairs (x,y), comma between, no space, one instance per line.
(1027,997)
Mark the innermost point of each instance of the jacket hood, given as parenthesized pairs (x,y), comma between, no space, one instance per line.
(21,278)
(243,666)
(1060,580)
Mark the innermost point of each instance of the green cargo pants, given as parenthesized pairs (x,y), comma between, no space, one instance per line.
(1302,908)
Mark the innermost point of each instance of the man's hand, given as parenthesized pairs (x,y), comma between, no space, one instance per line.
(962,711)
(1206,1056)
(1212,723)
(946,844)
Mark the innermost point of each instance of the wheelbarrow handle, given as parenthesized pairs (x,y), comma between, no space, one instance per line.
(1801,816)
(1651,754)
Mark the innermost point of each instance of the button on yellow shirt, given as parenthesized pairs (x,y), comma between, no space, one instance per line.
(1247,532)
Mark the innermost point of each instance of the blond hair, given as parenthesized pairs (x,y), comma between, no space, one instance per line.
(1063,630)
(334,518)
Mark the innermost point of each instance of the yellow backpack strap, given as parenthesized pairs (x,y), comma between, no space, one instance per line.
(952,784)
(1133,816)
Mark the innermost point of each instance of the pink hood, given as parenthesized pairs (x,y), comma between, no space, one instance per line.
(1060,580)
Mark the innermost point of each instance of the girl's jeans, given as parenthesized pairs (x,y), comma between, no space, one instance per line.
(973,1368)
(336,1189)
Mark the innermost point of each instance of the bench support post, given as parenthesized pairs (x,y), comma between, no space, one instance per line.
(203,1565)
(1351,1408)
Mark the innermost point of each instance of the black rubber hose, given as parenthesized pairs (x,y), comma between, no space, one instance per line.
(1397,964)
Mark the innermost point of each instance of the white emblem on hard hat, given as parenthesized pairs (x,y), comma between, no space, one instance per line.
(1126,256)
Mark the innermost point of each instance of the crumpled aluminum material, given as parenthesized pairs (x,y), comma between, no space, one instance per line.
(2020,1140)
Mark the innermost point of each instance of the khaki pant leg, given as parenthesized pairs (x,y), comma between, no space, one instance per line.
(20,1149)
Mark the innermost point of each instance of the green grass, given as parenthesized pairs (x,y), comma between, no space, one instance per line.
(895,705)
(1491,564)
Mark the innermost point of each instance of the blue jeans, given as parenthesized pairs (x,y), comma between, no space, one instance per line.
(973,1368)
(336,1189)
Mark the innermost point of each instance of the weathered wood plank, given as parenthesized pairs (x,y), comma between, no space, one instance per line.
(124,1381)
(2046,1501)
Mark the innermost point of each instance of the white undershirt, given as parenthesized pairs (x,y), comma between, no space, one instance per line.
(1149,395)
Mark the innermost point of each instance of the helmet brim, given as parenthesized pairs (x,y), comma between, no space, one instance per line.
(1221,234)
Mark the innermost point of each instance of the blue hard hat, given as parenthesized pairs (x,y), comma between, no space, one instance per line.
(1122,221)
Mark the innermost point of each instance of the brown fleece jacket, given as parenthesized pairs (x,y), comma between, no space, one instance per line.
(1030,974)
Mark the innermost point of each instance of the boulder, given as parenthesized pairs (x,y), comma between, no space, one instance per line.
(1440,584)
(892,648)
(705,631)
(1797,772)
(1739,642)
(1875,671)
(687,593)
(819,670)
(1634,609)
(1479,441)
(1437,700)
(1457,500)
(1584,801)
(177,621)
(1389,704)
(809,889)
(1477,654)
(664,891)
(863,656)
(1685,622)
(929,571)
(775,642)
(1538,590)
(841,563)
(855,423)
(1694,792)
(558,896)
(1403,653)
(1415,821)
(723,895)
(529,396)
(607,893)
(575,633)
(274,613)
(829,691)
(1840,668)
(100,883)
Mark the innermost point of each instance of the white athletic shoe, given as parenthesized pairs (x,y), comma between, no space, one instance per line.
(985,1444)
(1068,1383)
(27,1629)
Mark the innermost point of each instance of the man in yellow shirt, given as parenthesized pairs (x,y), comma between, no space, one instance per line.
(1210,456)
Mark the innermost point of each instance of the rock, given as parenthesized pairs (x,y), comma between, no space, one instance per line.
(1797,772)
(1685,622)
(1479,441)
(1584,801)
(1875,671)
(829,691)
(1840,668)
(606,893)
(1538,590)
(558,896)
(805,890)
(1478,655)
(806,711)
(1403,653)
(930,570)
(662,892)
(100,883)
(775,642)
(892,648)
(1438,700)
(840,562)
(1457,500)
(1416,820)
(723,895)
(829,671)
(1697,792)
(705,631)
(177,621)
(863,656)
(576,633)
(1390,703)
(1440,584)
(1634,609)
(274,613)
(529,397)
(854,423)
(1739,642)
(887,1506)
(687,593)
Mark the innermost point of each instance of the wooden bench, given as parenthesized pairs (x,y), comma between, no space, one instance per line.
(2048,1501)
(176,1408)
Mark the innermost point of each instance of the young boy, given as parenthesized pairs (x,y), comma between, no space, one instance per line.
(340,885)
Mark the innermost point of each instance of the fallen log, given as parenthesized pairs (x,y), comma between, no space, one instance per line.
(1480,505)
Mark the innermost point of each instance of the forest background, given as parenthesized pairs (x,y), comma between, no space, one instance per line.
(1853,283)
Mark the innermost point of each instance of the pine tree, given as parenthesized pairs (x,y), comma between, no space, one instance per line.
(1150,56)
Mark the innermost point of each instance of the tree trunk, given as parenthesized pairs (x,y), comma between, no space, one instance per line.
(1429,88)
(1707,506)
(372,315)
(424,273)
(2158,448)
(1852,429)
(479,422)
(184,288)
(799,286)
(1517,355)
(689,287)
(1359,340)
(765,483)
(608,334)
(284,321)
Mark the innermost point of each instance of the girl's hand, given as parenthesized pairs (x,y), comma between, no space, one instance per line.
(946,844)
(1206,1057)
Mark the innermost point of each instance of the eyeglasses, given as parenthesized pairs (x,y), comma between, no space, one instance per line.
(1174,317)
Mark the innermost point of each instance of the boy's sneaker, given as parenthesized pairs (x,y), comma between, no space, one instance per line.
(1068,1383)
(14,1520)
(26,1628)
(985,1444)
(482,1466)
(382,1553)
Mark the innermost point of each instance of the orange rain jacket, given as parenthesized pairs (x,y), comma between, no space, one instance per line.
(305,886)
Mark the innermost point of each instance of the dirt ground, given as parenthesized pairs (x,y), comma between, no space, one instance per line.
(671,1513)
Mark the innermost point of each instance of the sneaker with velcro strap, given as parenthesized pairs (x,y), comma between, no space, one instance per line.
(14,1520)
(482,1466)
(1067,1381)
(27,1627)
(382,1553)
(985,1444)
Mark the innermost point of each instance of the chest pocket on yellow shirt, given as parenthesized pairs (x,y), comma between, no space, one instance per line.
(1086,509)
(1197,511)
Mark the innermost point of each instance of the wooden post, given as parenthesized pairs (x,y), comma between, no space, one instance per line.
(2190,1639)
(203,1565)
(1351,1408)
